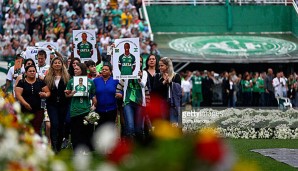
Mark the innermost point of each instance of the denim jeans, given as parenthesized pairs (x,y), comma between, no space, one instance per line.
(186,98)
(133,119)
(57,116)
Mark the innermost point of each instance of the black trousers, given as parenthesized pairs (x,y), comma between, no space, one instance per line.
(81,134)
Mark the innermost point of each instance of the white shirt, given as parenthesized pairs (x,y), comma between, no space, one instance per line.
(186,85)
(277,84)
(42,70)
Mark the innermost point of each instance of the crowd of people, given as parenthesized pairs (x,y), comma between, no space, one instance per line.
(27,22)
(250,89)
(48,89)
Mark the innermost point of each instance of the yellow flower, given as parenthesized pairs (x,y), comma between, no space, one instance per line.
(165,130)
(208,134)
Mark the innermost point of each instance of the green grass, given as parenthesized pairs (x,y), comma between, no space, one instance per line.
(242,149)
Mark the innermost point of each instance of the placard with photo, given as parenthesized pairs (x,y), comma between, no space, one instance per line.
(126,58)
(80,85)
(84,45)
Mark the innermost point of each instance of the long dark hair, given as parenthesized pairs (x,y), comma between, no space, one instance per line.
(156,64)
(70,68)
(83,68)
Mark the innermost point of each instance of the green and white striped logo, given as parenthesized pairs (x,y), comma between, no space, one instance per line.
(233,46)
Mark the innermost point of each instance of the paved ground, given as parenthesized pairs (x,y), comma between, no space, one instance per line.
(285,155)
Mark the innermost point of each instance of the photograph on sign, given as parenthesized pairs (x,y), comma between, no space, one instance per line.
(84,45)
(80,85)
(49,45)
(126,58)
(32,51)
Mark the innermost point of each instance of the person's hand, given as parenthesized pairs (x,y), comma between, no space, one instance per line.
(92,108)
(166,78)
(27,106)
(69,92)
(118,95)
(43,95)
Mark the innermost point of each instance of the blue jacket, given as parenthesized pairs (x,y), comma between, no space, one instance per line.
(105,94)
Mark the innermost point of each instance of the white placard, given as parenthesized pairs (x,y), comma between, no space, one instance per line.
(126,58)
(84,45)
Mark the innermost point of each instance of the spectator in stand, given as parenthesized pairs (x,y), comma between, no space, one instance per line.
(126,18)
(116,13)
(8,51)
(225,83)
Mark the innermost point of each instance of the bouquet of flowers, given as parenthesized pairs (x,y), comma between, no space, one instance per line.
(91,118)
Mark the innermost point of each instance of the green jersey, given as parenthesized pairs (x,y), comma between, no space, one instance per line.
(255,87)
(261,85)
(80,88)
(246,86)
(127,63)
(85,49)
(196,84)
(80,105)
(133,92)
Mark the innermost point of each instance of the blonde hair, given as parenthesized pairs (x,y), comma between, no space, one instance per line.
(168,62)
(50,77)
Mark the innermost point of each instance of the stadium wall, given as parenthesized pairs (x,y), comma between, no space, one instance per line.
(223,19)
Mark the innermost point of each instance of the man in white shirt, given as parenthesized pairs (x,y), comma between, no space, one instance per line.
(278,83)
(42,67)
(13,73)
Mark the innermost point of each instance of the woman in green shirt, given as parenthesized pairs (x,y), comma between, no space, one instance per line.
(80,107)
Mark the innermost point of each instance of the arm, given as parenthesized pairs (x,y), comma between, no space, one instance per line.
(143,78)
(17,81)
(45,92)
(7,84)
(119,90)
(19,92)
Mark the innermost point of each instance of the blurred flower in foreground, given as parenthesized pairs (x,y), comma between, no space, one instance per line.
(122,150)
(165,130)
(105,138)
(210,147)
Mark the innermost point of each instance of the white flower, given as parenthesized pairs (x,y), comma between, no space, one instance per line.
(58,165)
(81,161)
(105,138)
(95,123)
(2,102)
(85,122)
(17,107)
